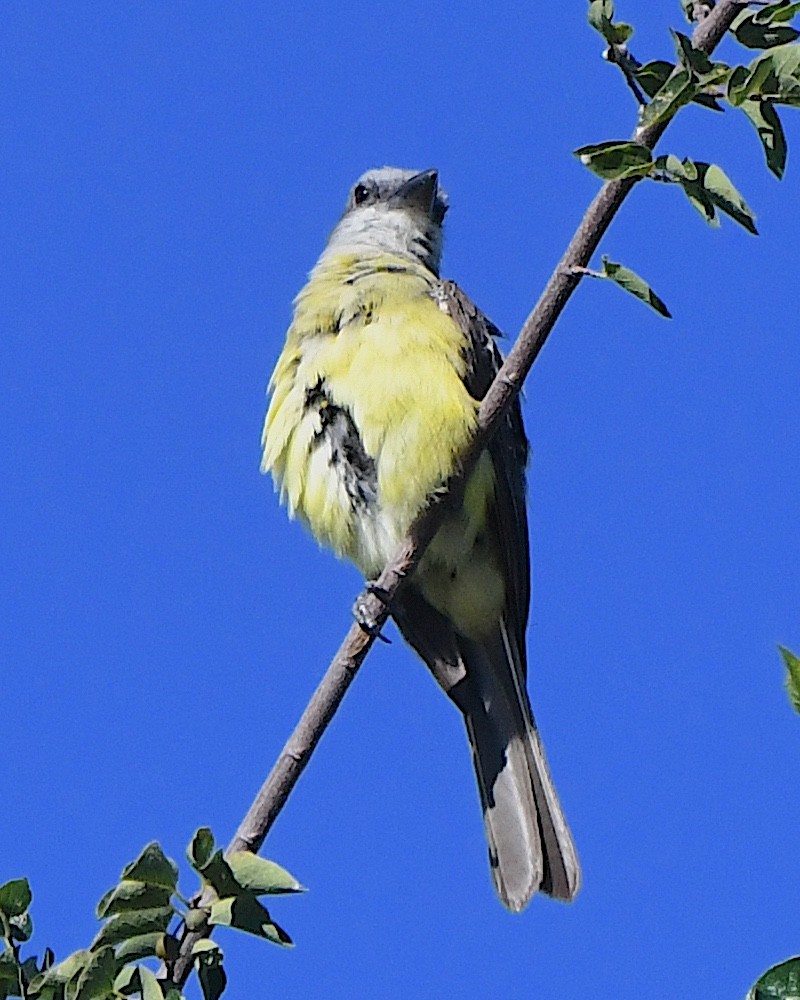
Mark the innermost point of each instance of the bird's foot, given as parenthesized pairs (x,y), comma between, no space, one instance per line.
(365,619)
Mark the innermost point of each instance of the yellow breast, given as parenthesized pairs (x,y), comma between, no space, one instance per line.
(369,411)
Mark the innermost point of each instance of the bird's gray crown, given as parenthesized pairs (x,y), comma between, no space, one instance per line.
(394,211)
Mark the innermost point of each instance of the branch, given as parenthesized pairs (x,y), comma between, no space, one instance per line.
(326,699)
(619,56)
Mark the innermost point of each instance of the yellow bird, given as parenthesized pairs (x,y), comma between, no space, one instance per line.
(373,399)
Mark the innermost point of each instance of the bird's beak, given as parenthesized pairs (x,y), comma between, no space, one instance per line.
(418,192)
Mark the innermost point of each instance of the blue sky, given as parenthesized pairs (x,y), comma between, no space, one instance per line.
(172,170)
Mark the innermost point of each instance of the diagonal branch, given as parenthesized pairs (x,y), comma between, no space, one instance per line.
(326,699)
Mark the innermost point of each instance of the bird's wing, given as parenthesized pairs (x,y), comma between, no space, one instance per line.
(425,628)
(508,449)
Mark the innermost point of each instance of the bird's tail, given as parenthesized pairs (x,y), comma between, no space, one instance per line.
(530,845)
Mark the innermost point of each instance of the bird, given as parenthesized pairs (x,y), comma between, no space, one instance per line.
(372,402)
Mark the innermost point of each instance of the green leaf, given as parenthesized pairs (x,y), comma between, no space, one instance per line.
(792,676)
(131,895)
(678,91)
(9,974)
(138,979)
(41,992)
(717,76)
(653,75)
(776,13)
(208,961)
(616,160)
(201,848)
(151,988)
(96,981)
(261,876)
(668,164)
(737,85)
(781,982)
(15,897)
(132,924)
(601,15)
(620,33)
(213,980)
(245,913)
(69,969)
(701,200)
(784,66)
(725,196)
(679,169)
(599,9)
(632,283)
(217,873)
(774,75)
(689,57)
(30,970)
(763,80)
(127,980)
(754,34)
(153,867)
(140,946)
(708,188)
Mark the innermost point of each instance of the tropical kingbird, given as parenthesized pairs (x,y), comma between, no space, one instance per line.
(373,401)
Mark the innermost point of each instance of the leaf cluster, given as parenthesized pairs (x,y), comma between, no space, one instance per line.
(771,79)
(792,664)
(137,913)
(781,982)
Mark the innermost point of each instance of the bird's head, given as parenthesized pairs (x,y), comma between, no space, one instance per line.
(394,211)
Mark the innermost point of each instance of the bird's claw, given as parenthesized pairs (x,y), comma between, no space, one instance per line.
(365,619)
(381,593)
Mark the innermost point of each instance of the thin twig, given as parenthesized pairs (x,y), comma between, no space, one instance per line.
(326,699)
(619,56)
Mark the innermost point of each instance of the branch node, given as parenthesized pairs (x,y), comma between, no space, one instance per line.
(576,271)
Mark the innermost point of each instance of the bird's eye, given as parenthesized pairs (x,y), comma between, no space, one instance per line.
(360,194)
